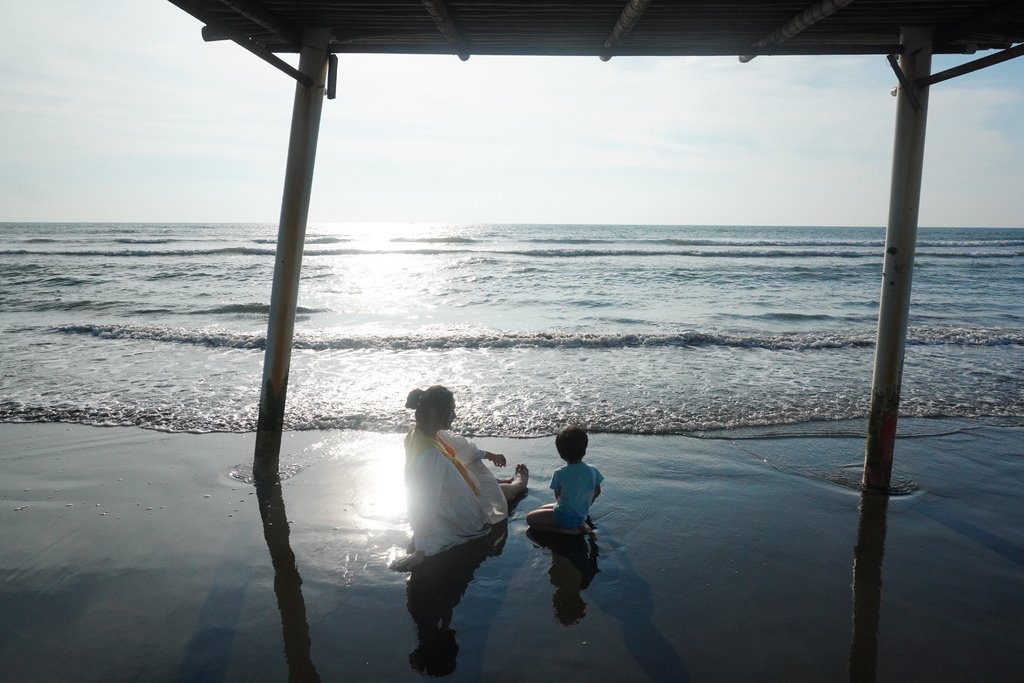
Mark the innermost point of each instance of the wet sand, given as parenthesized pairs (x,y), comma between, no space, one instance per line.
(133,555)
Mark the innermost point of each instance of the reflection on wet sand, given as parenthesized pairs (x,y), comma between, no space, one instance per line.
(573,567)
(867,585)
(287,582)
(435,587)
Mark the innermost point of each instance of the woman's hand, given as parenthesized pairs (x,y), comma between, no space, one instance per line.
(497,458)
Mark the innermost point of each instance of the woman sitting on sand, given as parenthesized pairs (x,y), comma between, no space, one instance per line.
(452,496)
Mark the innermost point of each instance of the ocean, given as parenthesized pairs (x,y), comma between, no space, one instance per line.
(622,328)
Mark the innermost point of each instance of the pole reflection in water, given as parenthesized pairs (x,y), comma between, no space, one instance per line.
(435,587)
(573,567)
(287,582)
(867,585)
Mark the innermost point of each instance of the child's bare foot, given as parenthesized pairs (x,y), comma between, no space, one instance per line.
(522,472)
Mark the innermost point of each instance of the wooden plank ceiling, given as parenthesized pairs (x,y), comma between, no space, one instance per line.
(613,27)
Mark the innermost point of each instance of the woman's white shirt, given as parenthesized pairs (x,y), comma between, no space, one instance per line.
(491,499)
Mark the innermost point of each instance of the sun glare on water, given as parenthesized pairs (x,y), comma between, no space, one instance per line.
(396,276)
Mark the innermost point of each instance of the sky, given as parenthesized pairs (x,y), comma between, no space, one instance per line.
(116,110)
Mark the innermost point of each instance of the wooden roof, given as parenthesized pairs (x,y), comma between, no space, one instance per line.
(613,27)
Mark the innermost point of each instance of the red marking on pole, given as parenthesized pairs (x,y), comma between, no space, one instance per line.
(879,473)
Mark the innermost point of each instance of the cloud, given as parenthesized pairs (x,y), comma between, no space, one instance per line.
(108,121)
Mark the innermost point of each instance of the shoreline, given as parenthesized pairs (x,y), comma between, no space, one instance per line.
(138,556)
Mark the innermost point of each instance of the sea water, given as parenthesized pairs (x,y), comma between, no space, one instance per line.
(622,328)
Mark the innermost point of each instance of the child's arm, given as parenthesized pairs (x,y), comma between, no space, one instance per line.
(597,492)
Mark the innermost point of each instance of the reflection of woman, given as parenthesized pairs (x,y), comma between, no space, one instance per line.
(435,587)
(452,496)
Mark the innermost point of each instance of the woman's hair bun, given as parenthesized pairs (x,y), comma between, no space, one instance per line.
(412,402)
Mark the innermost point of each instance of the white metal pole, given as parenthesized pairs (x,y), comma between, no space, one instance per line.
(291,235)
(898,264)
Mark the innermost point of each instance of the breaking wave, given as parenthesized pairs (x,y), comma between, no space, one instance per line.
(921,336)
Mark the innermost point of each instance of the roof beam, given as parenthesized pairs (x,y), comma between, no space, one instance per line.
(255,12)
(996,15)
(967,68)
(439,13)
(215,33)
(628,49)
(631,14)
(801,22)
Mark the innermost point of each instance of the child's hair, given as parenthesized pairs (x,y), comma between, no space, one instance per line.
(571,443)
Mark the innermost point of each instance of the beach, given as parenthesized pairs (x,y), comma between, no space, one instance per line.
(723,373)
(132,554)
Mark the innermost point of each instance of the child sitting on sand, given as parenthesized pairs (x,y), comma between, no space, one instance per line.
(576,486)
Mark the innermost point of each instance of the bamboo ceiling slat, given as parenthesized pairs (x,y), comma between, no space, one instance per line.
(667,27)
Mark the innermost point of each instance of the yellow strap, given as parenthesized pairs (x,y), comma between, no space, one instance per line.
(416,442)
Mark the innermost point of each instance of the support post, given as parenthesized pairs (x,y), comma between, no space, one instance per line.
(298,180)
(897,267)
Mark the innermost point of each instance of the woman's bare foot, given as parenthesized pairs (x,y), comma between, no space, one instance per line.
(405,564)
(517,486)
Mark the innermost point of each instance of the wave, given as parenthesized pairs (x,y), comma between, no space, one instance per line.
(135,240)
(436,240)
(707,253)
(552,340)
(970,254)
(309,240)
(818,421)
(250,309)
(781,243)
(142,253)
(799,317)
(955,244)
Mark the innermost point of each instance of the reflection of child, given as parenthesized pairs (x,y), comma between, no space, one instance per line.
(576,486)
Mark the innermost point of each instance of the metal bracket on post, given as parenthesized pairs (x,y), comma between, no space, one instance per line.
(332,76)
(905,85)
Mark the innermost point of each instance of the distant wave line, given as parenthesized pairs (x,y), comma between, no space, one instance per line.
(552,340)
(739,253)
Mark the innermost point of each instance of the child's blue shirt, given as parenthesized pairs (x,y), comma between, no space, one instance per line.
(575,484)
